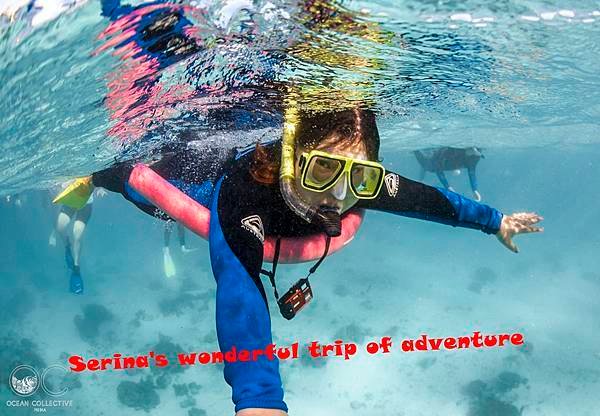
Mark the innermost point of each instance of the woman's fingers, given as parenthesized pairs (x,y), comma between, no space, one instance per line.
(529,217)
(525,225)
(531,229)
(527,230)
(508,243)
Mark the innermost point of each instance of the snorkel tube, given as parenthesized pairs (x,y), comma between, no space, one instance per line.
(329,219)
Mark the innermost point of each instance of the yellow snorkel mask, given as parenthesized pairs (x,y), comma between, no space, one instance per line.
(320,171)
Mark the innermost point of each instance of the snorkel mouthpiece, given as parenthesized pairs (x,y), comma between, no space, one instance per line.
(330,220)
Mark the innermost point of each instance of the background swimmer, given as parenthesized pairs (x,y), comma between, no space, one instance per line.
(451,159)
(70,226)
(168,264)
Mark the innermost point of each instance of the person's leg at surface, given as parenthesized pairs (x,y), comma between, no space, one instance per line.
(473,181)
(181,236)
(62,223)
(52,238)
(442,178)
(81,219)
(182,244)
(168,265)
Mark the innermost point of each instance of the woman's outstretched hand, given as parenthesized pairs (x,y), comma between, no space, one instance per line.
(519,223)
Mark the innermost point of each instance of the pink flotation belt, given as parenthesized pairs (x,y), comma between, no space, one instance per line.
(196,218)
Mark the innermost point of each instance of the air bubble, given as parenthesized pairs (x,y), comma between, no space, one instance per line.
(566,13)
(466,17)
(548,15)
(531,18)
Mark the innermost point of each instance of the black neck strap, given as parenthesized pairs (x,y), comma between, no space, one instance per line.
(271,274)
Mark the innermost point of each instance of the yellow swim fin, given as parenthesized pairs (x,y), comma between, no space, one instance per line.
(77,194)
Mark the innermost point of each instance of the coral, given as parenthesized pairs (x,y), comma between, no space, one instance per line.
(140,316)
(489,399)
(482,277)
(490,406)
(426,362)
(89,325)
(180,390)
(194,388)
(14,353)
(19,303)
(189,402)
(357,405)
(163,380)
(307,361)
(194,411)
(186,389)
(140,396)
(70,381)
(177,305)
(507,381)
(170,349)
(352,333)
(341,290)
(526,348)
(591,276)
(475,388)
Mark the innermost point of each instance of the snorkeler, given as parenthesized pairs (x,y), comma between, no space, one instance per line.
(324,168)
(451,159)
(77,217)
(16,199)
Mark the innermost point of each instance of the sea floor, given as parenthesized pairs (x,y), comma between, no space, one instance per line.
(399,278)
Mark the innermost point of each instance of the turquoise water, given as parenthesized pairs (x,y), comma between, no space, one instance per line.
(519,79)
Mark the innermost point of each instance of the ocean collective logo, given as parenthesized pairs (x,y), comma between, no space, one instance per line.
(25,381)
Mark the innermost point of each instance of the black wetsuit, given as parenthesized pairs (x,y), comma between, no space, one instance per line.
(243,212)
(450,158)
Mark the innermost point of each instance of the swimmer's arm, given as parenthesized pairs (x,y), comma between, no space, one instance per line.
(243,321)
(409,198)
(442,178)
(472,178)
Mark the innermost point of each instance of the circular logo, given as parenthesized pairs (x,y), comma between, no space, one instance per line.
(48,387)
(24,380)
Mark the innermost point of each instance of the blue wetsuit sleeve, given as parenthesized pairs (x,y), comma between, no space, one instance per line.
(409,198)
(473,178)
(243,321)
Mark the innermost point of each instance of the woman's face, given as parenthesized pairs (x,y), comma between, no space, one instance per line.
(339,196)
